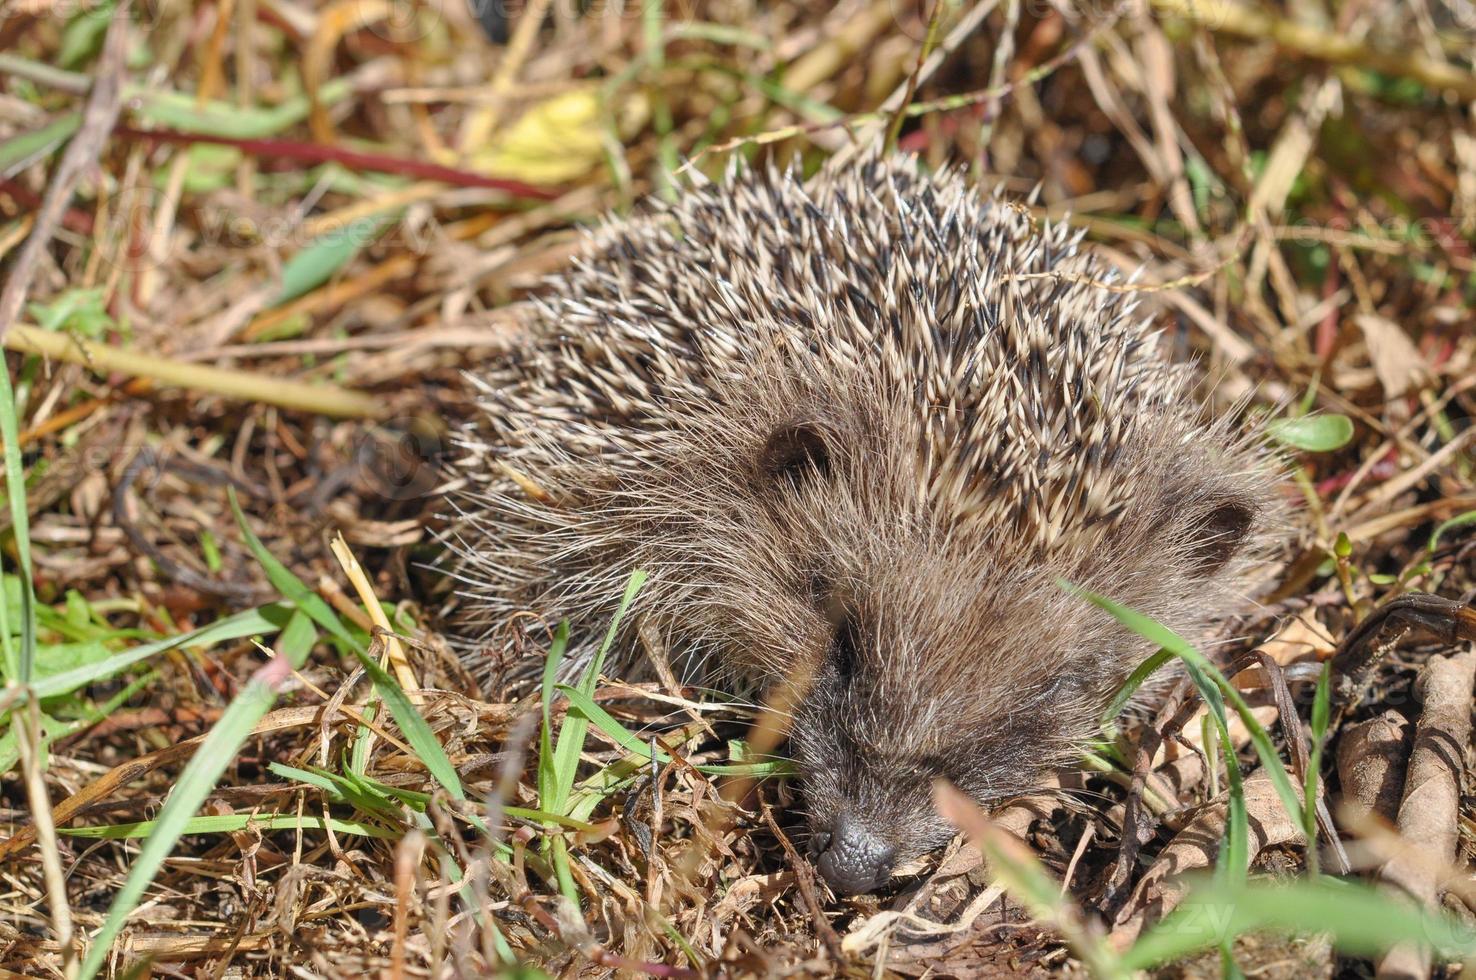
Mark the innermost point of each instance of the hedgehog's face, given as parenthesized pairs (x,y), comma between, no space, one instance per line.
(909,686)
(926,651)
(889,709)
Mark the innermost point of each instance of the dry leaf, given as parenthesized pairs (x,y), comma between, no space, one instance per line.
(1396,362)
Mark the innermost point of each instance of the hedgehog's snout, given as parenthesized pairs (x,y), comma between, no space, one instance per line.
(854,859)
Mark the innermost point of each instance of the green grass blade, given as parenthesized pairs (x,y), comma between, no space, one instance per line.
(556,778)
(556,772)
(417,733)
(1130,686)
(632,587)
(1361,920)
(298,638)
(231,822)
(363,738)
(320,258)
(1204,669)
(588,708)
(184,112)
(341,789)
(18,666)
(262,621)
(293,589)
(20,150)
(1444,527)
(571,736)
(190,791)
(548,777)
(1321,709)
(1233,861)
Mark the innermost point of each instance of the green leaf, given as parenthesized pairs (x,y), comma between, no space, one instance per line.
(51,729)
(211,167)
(319,259)
(83,35)
(78,613)
(82,716)
(20,151)
(1313,433)
(53,658)
(181,111)
(211,551)
(79,311)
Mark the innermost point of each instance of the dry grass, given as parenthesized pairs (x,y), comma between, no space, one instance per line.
(348,195)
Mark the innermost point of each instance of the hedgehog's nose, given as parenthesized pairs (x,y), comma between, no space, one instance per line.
(856,860)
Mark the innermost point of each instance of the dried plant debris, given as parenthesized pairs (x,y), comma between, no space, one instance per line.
(248,250)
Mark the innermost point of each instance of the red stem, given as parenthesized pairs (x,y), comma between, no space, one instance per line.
(352,159)
(78,221)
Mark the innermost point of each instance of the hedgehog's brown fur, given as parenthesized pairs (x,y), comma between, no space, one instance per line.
(856,428)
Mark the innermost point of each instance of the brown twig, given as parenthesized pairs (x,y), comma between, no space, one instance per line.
(97,121)
(805,877)
(28,741)
(1448,620)
(1225,17)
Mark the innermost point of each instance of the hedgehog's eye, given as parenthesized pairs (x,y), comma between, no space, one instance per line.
(844,653)
(1220,534)
(794,454)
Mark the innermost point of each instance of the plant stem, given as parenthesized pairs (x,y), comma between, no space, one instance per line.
(320,399)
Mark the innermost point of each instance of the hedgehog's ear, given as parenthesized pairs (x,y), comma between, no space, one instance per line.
(794,454)
(1219,535)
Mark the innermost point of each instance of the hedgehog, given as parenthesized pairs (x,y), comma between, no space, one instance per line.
(857,429)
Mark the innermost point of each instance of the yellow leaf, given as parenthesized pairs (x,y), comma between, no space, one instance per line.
(556,140)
